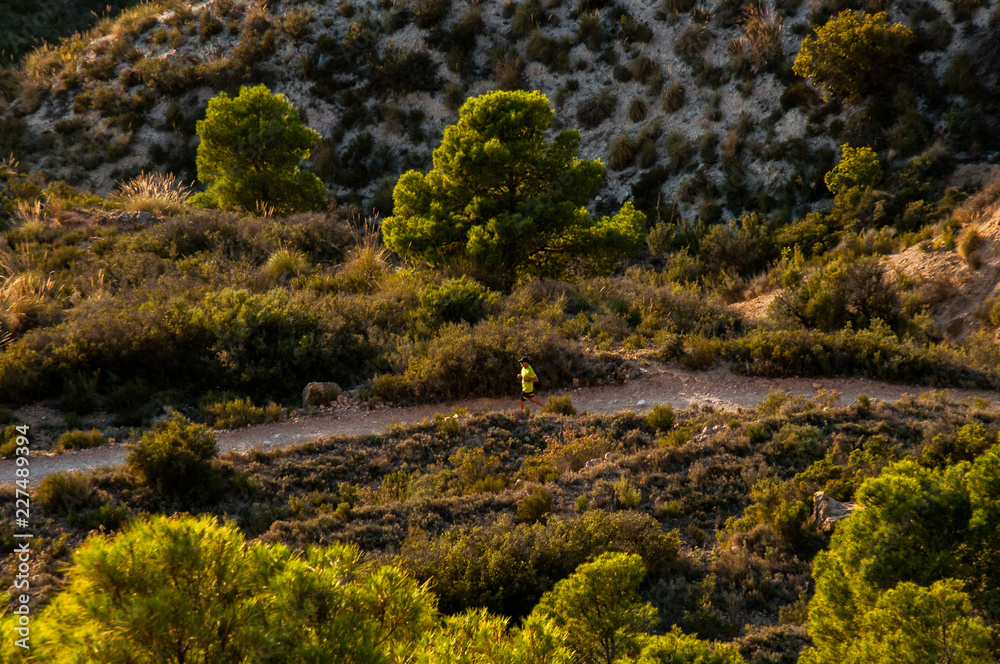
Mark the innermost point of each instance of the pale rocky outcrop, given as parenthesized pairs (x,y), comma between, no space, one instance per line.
(827,512)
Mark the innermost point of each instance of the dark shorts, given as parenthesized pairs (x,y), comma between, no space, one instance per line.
(526,395)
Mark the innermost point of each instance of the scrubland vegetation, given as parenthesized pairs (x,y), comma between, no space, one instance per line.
(692,520)
(157,308)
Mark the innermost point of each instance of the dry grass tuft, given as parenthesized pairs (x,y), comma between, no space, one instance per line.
(21,297)
(368,261)
(761,38)
(509,71)
(156,193)
(969,241)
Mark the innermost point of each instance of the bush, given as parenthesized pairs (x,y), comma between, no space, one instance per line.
(80,440)
(661,417)
(594,111)
(842,293)
(559,406)
(534,506)
(457,300)
(156,193)
(692,42)
(463,360)
(64,491)
(429,13)
(622,152)
(699,353)
(858,167)
(628,494)
(674,97)
(637,110)
(507,566)
(232,414)
(174,455)
(854,54)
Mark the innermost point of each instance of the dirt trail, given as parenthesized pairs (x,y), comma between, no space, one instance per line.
(656,385)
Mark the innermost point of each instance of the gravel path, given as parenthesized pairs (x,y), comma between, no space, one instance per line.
(656,385)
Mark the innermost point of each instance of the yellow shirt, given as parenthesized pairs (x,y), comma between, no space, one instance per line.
(527,384)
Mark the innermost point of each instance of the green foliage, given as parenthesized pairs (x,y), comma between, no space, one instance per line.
(675,647)
(661,417)
(188,589)
(464,359)
(63,491)
(896,570)
(854,54)
(506,202)
(457,300)
(535,505)
(627,493)
(507,566)
(174,455)
(858,167)
(236,413)
(599,608)
(80,440)
(876,352)
(839,294)
(250,151)
(559,406)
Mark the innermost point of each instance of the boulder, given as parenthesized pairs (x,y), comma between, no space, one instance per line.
(320,394)
(827,512)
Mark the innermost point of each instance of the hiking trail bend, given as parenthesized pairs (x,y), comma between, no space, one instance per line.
(717,387)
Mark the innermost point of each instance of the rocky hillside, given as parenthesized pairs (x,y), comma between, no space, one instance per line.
(693,108)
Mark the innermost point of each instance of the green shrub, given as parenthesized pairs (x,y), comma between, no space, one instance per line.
(232,414)
(559,406)
(699,352)
(64,491)
(464,360)
(507,566)
(842,293)
(457,300)
(661,417)
(572,450)
(173,456)
(535,505)
(80,440)
(628,494)
(854,54)
(757,434)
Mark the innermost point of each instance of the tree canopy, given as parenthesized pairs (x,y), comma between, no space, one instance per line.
(858,167)
(504,201)
(898,581)
(854,54)
(250,152)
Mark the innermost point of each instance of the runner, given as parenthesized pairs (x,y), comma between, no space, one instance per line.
(528,380)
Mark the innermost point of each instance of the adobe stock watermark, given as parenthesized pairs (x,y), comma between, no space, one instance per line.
(22,532)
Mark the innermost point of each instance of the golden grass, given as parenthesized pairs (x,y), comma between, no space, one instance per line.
(761,38)
(156,193)
(21,296)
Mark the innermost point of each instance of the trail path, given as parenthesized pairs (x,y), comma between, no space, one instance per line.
(656,385)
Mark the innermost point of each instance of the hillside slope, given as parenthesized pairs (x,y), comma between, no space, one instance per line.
(694,109)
